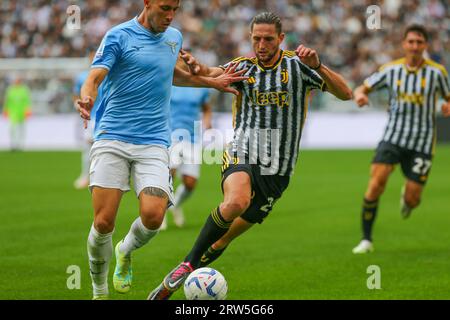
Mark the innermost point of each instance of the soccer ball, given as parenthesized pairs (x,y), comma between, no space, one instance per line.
(205,284)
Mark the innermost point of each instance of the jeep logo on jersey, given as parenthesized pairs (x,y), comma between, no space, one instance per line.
(279,98)
(172,45)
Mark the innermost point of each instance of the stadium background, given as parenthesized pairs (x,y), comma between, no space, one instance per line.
(45,221)
(37,43)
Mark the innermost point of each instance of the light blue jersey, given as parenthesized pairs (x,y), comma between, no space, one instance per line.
(185,108)
(80,79)
(136,91)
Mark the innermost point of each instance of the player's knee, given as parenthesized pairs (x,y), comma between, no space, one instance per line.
(236,205)
(103,225)
(190,184)
(152,218)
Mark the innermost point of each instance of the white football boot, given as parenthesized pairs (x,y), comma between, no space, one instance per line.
(365,246)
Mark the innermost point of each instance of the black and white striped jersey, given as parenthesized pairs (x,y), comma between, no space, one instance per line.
(412,102)
(270,111)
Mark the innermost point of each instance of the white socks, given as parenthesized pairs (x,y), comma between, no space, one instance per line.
(100,248)
(138,236)
(181,194)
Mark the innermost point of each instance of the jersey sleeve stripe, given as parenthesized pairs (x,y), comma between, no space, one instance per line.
(100,66)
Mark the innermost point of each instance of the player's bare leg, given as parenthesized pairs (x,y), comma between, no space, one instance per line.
(238,227)
(237,192)
(99,245)
(152,206)
(410,197)
(379,176)
(237,197)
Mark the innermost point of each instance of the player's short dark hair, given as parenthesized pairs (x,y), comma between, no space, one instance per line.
(267,18)
(417,28)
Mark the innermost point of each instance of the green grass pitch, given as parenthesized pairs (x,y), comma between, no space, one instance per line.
(301,251)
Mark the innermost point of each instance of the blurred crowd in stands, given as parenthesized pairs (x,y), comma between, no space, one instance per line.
(217,30)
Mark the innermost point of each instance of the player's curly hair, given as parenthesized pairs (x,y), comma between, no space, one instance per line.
(267,18)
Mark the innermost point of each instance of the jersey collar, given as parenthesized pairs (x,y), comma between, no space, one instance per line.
(148,32)
(273,66)
(413,70)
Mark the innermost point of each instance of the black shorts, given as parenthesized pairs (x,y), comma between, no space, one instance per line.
(415,165)
(266,189)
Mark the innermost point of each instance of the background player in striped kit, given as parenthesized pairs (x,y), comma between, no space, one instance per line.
(410,134)
(269,114)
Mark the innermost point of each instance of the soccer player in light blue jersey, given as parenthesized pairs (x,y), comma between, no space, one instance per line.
(87,140)
(136,63)
(186,108)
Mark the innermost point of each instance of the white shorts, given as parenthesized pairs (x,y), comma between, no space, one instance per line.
(186,158)
(114,162)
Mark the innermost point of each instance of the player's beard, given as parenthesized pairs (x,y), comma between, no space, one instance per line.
(268,57)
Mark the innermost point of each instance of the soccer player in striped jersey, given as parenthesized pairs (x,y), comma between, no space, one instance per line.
(413,83)
(269,114)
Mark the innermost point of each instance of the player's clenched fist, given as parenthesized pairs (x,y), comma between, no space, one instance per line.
(446,109)
(308,56)
(361,99)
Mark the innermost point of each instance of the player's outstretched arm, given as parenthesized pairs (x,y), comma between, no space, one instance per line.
(361,96)
(190,64)
(221,82)
(89,92)
(336,84)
